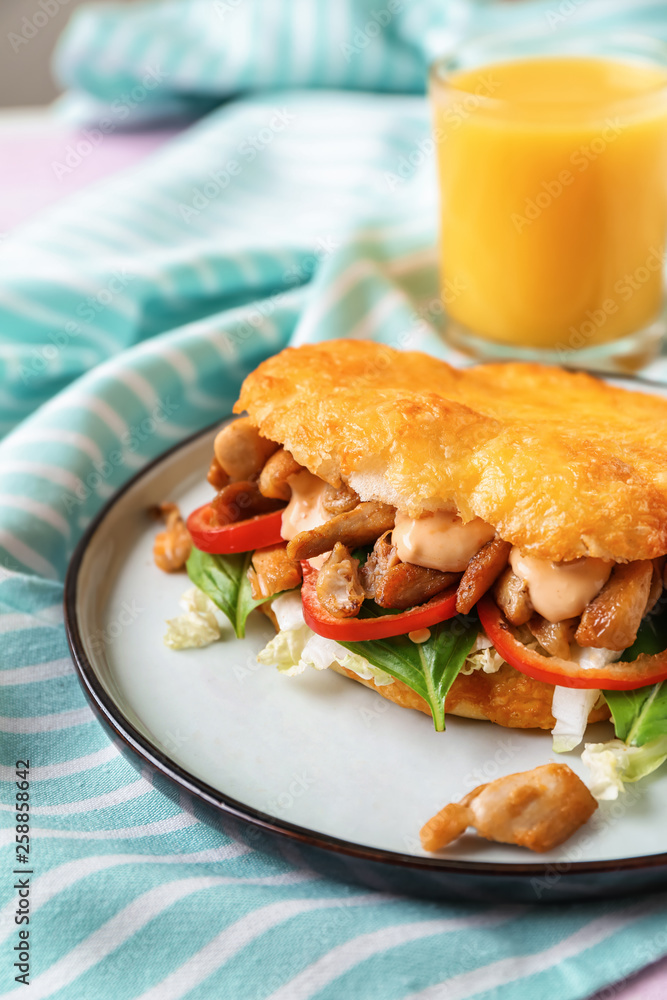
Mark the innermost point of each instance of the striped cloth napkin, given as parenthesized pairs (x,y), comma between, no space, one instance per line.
(128,317)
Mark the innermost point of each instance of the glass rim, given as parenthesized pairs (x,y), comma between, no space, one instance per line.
(495,50)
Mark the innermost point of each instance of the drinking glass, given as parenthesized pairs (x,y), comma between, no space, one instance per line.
(552,165)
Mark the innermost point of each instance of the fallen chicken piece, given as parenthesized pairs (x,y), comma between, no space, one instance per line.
(172,546)
(538,809)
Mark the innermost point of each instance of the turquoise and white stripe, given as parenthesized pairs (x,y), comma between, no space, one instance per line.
(128,317)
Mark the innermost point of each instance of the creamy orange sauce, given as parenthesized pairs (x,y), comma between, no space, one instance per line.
(420,635)
(304,510)
(560,590)
(440,541)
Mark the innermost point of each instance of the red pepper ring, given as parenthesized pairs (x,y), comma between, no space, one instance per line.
(438,609)
(620,676)
(238,536)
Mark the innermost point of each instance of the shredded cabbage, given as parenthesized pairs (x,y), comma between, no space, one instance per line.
(613,763)
(297,647)
(483,656)
(199,626)
(588,656)
(288,610)
(285,649)
(570,708)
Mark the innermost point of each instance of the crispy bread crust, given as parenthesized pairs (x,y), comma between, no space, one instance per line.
(561,464)
(507,698)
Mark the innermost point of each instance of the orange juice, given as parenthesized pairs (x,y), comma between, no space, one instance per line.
(553,181)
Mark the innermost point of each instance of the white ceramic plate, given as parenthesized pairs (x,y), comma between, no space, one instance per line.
(316,752)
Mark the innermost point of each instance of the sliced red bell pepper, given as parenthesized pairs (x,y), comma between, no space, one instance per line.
(438,609)
(619,676)
(237,536)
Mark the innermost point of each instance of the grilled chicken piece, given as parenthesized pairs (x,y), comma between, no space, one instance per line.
(338,587)
(555,638)
(353,528)
(655,593)
(240,500)
(406,585)
(241,450)
(272,571)
(338,500)
(381,559)
(538,809)
(611,620)
(273,477)
(395,584)
(481,573)
(173,545)
(217,476)
(512,598)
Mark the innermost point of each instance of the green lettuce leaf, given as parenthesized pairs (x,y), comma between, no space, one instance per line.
(225,580)
(651,635)
(613,764)
(429,668)
(641,715)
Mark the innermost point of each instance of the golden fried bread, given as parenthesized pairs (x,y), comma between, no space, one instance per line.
(508,698)
(561,464)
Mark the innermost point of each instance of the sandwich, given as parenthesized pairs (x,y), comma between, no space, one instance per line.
(487,542)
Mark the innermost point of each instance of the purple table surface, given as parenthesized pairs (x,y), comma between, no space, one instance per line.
(42,162)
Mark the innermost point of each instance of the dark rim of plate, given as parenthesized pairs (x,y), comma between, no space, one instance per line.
(161,762)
